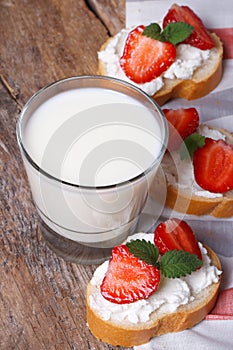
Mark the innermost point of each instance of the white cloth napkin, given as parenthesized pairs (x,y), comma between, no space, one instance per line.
(207,335)
(216,109)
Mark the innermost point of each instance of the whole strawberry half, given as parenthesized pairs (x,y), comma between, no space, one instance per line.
(213,166)
(175,234)
(128,278)
(182,122)
(200,37)
(145,58)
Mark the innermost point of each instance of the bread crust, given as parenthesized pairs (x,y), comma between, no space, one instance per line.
(180,201)
(201,83)
(184,201)
(204,79)
(185,317)
(101,65)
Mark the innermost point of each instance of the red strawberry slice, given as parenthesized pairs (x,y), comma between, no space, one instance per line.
(213,166)
(182,123)
(200,37)
(145,58)
(128,278)
(176,234)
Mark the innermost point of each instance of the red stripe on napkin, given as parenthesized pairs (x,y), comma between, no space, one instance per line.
(226,36)
(223,309)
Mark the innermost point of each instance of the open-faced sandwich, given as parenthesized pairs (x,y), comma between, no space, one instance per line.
(198,166)
(153,284)
(180,58)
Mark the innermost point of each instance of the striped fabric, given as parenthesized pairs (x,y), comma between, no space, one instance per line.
(226,36)
(224,307)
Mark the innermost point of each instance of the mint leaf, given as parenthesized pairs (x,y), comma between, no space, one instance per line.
(190,144)
(153,31)
(177,263)
(177,32)
(144,250)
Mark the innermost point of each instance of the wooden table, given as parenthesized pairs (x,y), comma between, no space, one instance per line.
(42,297)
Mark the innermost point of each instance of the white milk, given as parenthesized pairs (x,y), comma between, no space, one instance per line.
(140,128)
(92,137)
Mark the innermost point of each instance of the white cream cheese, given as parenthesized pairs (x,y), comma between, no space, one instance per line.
(187,61)
(170,295)
(214,134)
(180,172)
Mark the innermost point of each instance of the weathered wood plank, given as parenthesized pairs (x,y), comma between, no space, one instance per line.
(42,297)
(43,41)
(111,13)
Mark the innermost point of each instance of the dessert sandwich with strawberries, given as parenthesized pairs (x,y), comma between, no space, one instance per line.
(178,58)
(197,167)
(153,284)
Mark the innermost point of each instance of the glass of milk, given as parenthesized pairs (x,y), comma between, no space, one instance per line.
(91,146)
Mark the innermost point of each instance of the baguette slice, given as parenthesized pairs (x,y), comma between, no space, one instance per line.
(180,201)
(128,334)
(204,79)
(184,201)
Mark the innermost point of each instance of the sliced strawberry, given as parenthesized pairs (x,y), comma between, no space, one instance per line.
(213,166)
(128,278)
(145,58)
(182,123)
(176,234)
(200,37)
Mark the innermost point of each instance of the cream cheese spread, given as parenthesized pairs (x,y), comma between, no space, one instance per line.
(188,59)
(171,293)
(180,172)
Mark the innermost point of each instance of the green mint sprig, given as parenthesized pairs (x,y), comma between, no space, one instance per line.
(190,144)
(144,250)
(173,264)
(177,263)
(175,32)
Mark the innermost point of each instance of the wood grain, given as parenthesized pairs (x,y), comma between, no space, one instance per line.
(43,41)
(111,13)
(42,297)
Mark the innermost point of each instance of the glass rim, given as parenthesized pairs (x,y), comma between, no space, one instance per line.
(93,77)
